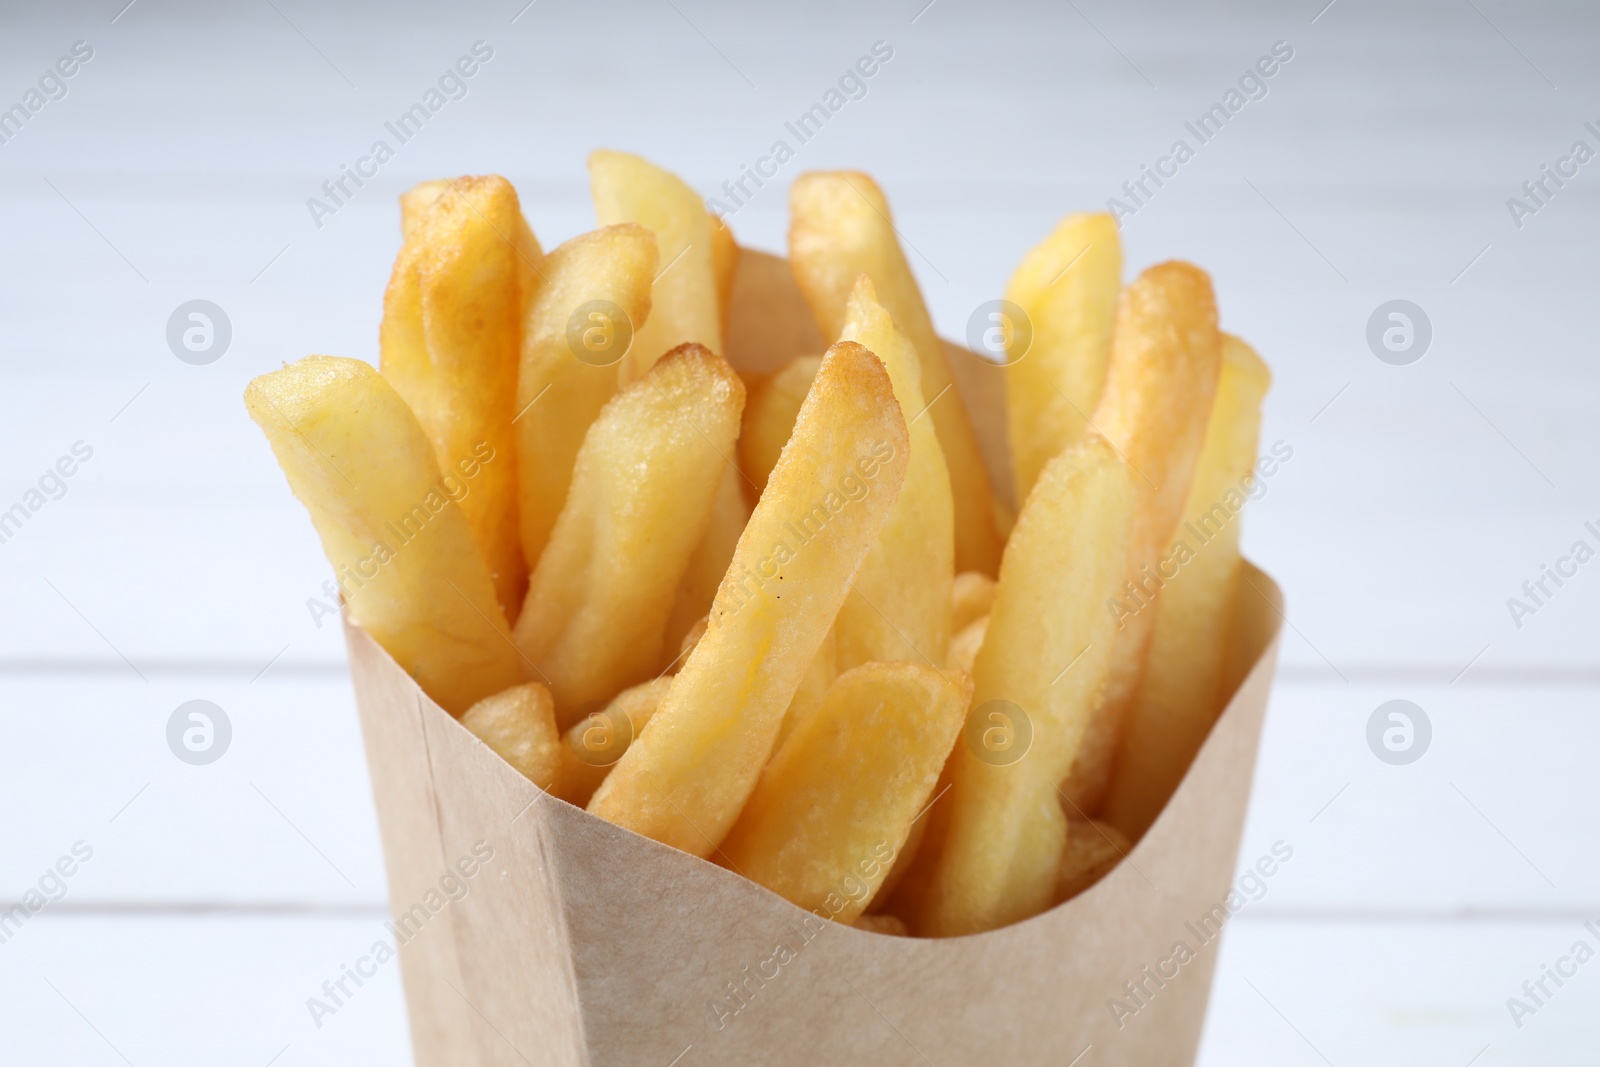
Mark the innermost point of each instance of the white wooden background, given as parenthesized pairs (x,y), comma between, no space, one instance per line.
(1419,498)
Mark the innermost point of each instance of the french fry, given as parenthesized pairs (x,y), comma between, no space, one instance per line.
(1067,285)
(890,925)
(1165,360)
(907,859)
(835,805)
(769,417)
(402,552)
(684,781)
(684,295)
(971,598)
(642,493)
(594,744)
(724,268)
(567,376)
(1093,848)
(415,202)
(452,326)
(1179,698)
(691,637)
(769,323)
(964,646)
(1045,658)
(520,725)
(711,556)
(840,229)
(898,607)
(814,686)
(905,891)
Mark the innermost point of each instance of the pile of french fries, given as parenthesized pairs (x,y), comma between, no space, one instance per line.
(785,622)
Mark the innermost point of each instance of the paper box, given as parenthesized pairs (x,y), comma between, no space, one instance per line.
(532,933)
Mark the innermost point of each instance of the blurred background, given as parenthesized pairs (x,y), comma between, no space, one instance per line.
(1403,152)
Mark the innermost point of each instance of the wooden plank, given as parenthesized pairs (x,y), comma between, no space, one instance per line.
(1367,837)
(204,989)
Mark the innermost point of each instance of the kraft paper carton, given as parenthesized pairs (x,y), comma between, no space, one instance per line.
(532,933)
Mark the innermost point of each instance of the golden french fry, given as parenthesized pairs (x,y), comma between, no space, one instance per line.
(1067,286)
(520,725)
(402,552)
(642,493)
(1160,385)
(769,417)
(964,646)
(839,230)
(685,779)
(769,323)
(1165,360)
(691,637)
(724,268)
(452,326)
(594,744)
(814,686)
(907,859)
(684,297)
(898,608)
(835,805)
(711,557)
(1048,648)
(415,202)
(593,294)
(890,925)
(905,891)
(1179,697)
(1093,848)
(971,598)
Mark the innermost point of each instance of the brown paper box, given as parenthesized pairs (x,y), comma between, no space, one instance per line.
(579,943)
